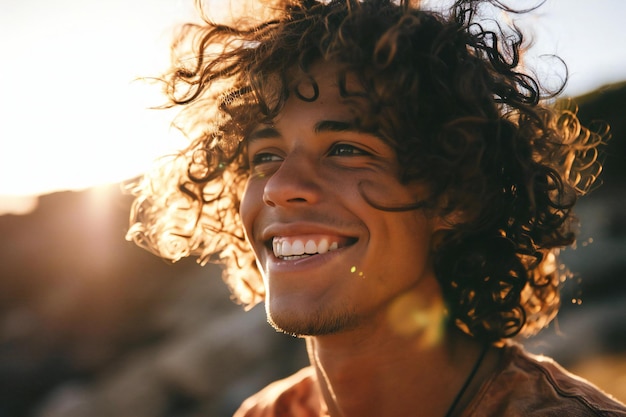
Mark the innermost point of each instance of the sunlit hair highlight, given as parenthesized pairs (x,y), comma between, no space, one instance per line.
(446,91)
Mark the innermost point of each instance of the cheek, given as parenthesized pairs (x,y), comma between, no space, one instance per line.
(251,204)
(403,239)
(388,193)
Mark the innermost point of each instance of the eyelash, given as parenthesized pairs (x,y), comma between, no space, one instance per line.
(264,157)
(339,149)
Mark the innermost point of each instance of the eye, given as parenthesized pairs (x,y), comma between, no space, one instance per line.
(344,149)
(264,158)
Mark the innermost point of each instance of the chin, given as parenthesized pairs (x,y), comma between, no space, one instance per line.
(320,323)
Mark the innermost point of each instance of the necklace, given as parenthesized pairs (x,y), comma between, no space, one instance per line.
(468,381)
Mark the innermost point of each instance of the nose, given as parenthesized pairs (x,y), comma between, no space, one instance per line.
(295,182)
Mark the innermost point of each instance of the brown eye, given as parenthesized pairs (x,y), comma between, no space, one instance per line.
(264,158)
(344,149)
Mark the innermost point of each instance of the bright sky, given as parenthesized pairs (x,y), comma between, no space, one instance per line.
(71,116)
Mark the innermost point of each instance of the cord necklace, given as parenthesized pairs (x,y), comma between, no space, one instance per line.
(468,381)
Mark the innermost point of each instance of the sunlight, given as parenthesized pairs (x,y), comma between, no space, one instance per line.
(72,116)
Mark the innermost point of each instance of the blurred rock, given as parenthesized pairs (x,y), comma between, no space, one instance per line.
(589,334)
(91,325)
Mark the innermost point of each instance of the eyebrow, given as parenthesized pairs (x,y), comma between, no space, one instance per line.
(320,127)
(265,133)
(334,126)
(342,126)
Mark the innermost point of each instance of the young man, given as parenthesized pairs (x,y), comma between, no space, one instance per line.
(387,180)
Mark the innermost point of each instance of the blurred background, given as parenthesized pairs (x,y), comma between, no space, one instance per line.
(92,326)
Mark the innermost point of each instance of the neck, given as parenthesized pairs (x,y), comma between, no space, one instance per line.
(388,374)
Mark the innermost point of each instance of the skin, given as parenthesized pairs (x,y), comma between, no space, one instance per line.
(371,311)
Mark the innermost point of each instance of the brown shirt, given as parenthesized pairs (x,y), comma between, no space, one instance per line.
(529,385)
(523,385)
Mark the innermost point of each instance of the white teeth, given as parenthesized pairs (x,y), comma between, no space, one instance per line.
(298,249)
(322,247)
(293,258)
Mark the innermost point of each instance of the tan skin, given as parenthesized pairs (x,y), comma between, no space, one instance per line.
(371,310)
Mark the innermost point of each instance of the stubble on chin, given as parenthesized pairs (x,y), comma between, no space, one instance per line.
(318,323)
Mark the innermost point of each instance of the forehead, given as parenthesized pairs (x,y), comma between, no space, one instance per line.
(324,99)
(323,91)
(329,75)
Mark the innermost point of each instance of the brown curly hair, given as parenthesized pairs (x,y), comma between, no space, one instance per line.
(446,91)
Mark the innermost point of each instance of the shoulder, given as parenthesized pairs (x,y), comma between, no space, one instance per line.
(294,396)
(527,384)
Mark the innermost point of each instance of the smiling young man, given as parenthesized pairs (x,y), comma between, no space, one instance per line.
(331,262)
(388,181)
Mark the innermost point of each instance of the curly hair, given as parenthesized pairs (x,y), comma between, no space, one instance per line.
(449,94)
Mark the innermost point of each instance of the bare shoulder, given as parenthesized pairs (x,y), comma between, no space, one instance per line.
(294,396)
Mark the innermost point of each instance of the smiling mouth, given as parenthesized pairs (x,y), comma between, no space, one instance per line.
(293,248)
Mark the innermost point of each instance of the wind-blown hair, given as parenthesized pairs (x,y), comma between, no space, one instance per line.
(446,91)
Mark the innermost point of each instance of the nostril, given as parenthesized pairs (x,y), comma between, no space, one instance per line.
(268,201)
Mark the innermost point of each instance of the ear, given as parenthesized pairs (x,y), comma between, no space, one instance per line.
(438,212)
(443,224)
(447,221)
(442,213)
